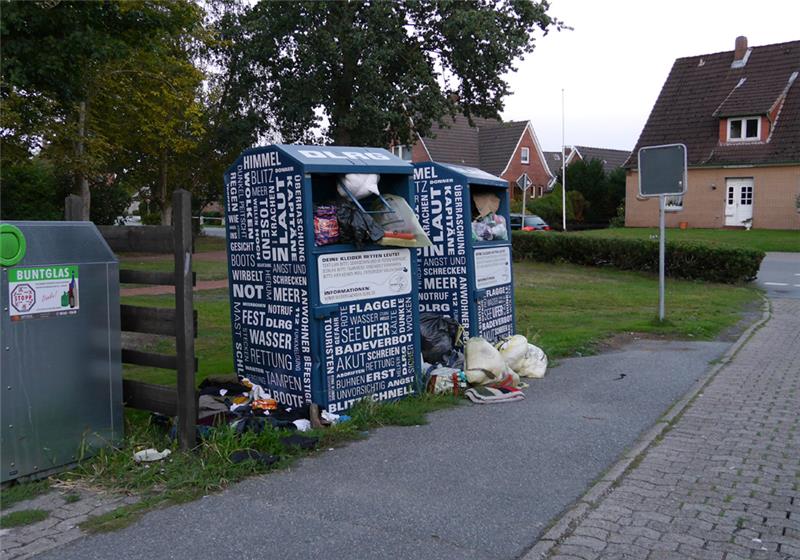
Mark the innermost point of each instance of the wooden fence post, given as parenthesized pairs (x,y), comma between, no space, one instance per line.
(184,314)
(73,208)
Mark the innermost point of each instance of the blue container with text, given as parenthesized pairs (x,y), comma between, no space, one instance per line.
(467,278)
(327,324)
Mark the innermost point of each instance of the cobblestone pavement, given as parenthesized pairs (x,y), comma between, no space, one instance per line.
(724,482)
(67,507)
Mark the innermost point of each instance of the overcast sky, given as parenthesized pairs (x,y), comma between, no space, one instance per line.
(613,63)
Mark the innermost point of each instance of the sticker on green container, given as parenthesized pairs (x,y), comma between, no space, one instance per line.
(43,291)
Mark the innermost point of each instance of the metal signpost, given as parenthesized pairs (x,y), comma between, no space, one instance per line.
(662,173)
(524,183)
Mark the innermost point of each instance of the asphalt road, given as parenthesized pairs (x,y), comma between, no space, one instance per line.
(478,481)
(779,275)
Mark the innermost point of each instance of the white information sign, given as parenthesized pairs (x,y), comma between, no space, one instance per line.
(44,291)
(492,267)
(364,275)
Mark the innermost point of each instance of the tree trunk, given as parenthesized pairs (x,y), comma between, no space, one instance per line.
(166,200)
(80,148)
(342,21)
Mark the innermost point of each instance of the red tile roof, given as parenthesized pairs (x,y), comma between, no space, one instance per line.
(702,89)
(488,145)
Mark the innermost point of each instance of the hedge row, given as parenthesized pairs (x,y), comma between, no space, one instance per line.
(684,260)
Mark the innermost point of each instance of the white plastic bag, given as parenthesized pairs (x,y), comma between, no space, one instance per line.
(360,185)
(150,455)
(483,363)
(513,350)
(524,358)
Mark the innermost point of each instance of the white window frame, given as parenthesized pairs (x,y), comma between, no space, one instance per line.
(525,155)
(400,149)
(744,120)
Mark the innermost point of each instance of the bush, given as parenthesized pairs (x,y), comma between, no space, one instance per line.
(548,207)
(32,190)
(109,203)
(684,260)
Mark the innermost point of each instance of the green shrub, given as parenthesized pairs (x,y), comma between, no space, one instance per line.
(32,190)
(691,261)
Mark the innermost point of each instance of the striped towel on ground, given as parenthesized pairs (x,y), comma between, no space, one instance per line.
(491,395)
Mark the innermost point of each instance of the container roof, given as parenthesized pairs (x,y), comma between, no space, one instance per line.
(338,159)
(473,174)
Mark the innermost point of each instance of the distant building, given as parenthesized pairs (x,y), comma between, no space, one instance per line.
(738,113)
(506,149)
(611,159)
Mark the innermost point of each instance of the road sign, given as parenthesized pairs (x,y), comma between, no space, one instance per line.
(524,183)
(662,170)
(662,173)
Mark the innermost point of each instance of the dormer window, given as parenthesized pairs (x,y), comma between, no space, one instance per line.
(744,129)
(525,155)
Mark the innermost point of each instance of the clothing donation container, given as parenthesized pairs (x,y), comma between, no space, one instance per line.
(318,316)
(61,363)
(466,273)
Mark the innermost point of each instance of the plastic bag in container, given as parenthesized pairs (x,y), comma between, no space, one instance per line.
(355,226)
(326,225)
(401,227)
(360,185)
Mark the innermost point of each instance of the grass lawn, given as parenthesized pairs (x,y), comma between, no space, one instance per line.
(206,243)
(206,270)
(213,343)
(569,309)
(761,239)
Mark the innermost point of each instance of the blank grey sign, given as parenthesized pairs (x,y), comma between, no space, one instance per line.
(662,170)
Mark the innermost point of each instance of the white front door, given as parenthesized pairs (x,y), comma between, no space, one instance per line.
(738,202)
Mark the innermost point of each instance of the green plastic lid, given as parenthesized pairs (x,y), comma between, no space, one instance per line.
(12,245)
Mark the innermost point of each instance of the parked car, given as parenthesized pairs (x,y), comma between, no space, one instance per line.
(532,223)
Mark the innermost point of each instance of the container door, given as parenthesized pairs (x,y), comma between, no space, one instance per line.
(494,292)
(367,330)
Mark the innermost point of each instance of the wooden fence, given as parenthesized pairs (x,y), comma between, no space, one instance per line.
(180,322)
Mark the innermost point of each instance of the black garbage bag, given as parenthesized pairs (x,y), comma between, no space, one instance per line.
(355,226)
(438,336)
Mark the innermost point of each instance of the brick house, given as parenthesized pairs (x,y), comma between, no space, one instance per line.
(611,159)
(505,149)
(738,113)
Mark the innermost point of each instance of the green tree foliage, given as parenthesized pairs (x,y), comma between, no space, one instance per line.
(146,96)
(603,192)
(85,84)
(31,190)
(548,207)
(362,72)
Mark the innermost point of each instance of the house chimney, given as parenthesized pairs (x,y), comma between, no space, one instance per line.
(741,48)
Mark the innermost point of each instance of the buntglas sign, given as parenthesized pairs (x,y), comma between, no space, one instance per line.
(44,291)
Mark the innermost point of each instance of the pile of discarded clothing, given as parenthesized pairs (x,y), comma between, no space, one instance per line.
(226,400)
(247,406)
(484,373)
